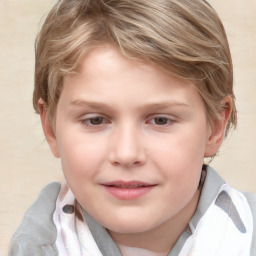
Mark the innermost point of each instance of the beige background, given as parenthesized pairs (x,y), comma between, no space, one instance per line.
(26,164)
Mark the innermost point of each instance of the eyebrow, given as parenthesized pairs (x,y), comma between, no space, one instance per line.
(92,104)
(153,105)
(166,104)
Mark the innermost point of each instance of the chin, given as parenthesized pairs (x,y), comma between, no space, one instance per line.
(128,227)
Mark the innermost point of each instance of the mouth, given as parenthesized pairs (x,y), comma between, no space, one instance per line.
(128,190)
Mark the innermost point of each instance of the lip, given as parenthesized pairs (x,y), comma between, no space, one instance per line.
(128,190)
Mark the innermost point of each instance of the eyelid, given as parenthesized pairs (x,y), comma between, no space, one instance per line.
(168,116)
(92,115)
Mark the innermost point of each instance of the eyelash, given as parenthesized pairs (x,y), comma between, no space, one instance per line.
(88,121)
(100,120)
(167,121)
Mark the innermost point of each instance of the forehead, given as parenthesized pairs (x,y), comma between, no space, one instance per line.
(107,61)
(105,75)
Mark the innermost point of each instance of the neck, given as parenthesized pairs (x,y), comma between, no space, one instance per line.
(159,241)
(131,251)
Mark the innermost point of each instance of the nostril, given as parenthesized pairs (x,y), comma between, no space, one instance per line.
(126,147)
(127,163)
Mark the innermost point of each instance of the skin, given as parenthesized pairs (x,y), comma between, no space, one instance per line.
(123,119)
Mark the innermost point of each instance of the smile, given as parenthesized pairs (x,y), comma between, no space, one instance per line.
(130,190)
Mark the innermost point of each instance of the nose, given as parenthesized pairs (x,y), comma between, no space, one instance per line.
(127,147)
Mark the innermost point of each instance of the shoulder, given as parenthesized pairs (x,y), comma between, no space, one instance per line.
(37,233)
(216,181)
(251,198)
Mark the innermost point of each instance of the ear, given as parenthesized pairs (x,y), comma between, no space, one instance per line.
(47,128)
(218,128)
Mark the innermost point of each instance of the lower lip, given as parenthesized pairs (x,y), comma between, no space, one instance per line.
(128,193)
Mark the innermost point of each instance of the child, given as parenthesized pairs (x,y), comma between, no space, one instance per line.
(133,95)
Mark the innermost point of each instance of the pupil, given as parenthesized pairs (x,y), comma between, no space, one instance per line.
(96,120)
(161,120)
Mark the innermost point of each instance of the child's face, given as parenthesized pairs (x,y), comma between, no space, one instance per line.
(132,140)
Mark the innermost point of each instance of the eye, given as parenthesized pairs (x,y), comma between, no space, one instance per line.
(94,121)
(161,121)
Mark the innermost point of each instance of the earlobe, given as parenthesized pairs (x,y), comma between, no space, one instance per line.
(47,128)
(218,128)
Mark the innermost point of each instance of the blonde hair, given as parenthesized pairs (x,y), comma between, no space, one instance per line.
(184,37)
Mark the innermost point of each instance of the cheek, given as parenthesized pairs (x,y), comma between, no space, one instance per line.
(180,158)
(179,147)
(81,162)
(80,155)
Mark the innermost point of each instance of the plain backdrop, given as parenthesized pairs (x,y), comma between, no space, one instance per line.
(26,164)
